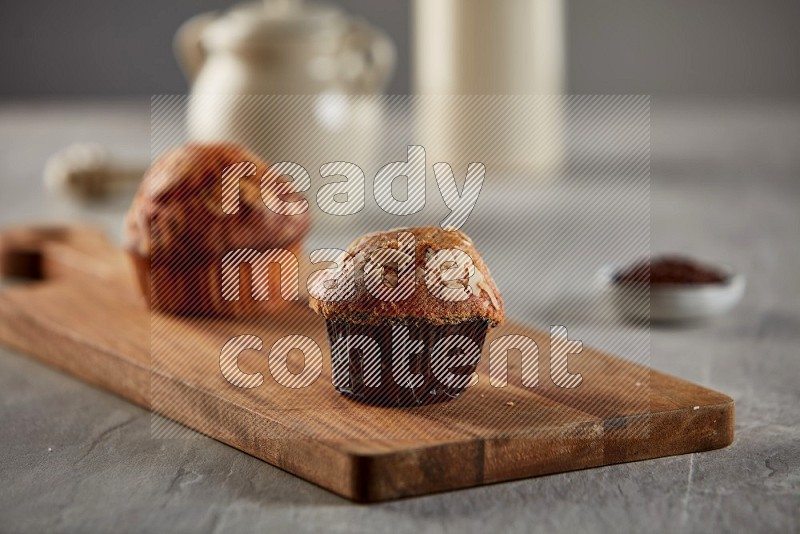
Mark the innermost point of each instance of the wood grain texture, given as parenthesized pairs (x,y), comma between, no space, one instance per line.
(86,318)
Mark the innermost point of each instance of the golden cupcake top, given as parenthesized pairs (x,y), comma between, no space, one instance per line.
(424,273)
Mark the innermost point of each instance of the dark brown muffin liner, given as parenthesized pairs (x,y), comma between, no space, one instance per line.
(350,365)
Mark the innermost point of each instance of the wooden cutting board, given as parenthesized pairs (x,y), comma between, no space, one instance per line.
(84,316)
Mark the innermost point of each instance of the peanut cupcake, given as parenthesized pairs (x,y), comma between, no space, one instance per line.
(177,232)
(407,313)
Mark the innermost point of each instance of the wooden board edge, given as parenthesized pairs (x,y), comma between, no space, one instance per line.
(613,450)
(21,333)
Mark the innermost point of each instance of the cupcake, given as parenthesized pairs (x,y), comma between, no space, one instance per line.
(177,233)
(407,313)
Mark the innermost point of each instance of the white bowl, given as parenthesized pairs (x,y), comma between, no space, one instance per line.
(674,302)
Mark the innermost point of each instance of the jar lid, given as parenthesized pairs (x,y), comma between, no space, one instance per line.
(271,21)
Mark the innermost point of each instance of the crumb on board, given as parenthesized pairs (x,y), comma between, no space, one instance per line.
(510,403)
(696,408)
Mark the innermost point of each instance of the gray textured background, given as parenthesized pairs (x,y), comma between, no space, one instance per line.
(658,47)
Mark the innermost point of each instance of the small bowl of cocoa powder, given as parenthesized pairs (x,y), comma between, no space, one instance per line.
(674,288)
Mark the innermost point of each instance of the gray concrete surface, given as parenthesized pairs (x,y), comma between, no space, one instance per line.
(726,183)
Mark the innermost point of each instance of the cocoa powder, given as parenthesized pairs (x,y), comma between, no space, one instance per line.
(669,270)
